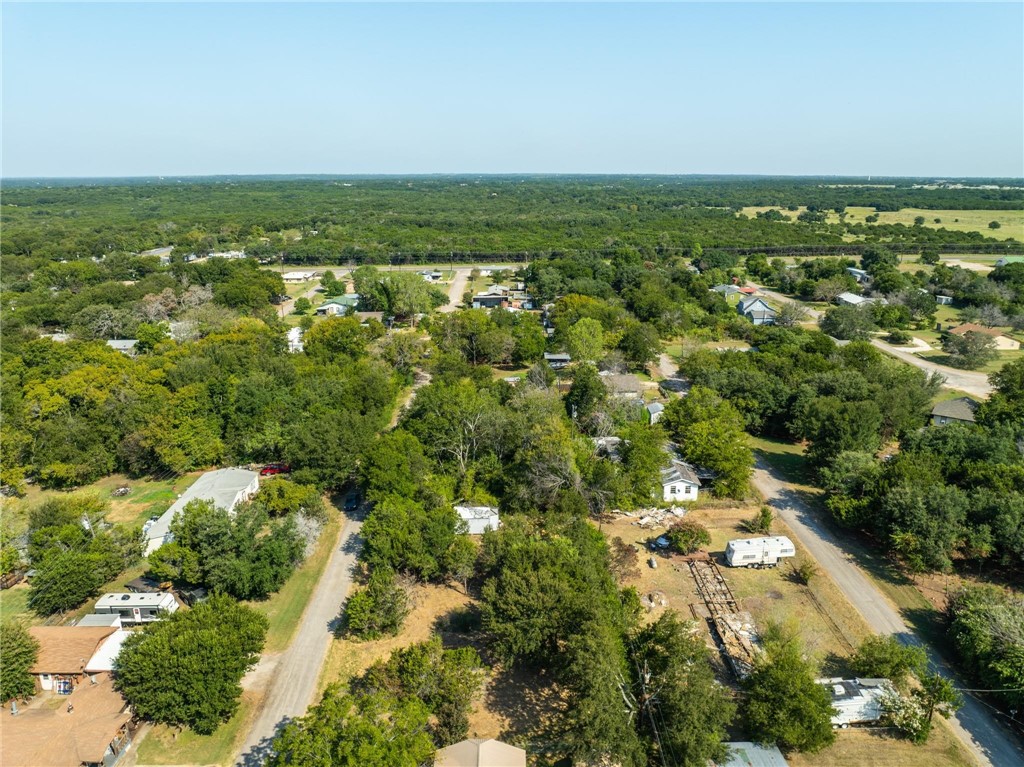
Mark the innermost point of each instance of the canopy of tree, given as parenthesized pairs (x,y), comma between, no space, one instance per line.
(185,669)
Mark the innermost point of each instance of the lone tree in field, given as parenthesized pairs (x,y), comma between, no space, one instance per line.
(185,670)
(686,536)
(970,351)
(18,651)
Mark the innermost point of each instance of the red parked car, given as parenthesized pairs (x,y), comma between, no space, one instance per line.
(275,468)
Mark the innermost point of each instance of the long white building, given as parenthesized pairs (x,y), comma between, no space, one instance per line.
(224,487)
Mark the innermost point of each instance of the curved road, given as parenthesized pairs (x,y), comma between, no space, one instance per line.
(989,743)
(964,380)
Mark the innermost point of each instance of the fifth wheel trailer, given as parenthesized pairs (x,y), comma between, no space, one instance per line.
(758,552)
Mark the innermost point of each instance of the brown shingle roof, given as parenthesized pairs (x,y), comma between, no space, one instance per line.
(66,649)
(971,327)
(46,737)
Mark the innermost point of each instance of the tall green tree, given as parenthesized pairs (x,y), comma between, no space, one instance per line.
(784,703)
(186,669)
(356,731)
(684,710)
(18,651)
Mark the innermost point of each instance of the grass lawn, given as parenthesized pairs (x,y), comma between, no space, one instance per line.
(1011,221)
(785,457)
(166,745)
(284,609)
(14,602)
(147,496)
(1002,357)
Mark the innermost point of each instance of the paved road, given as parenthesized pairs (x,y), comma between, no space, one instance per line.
(295,677)
(965,380)
(986,740)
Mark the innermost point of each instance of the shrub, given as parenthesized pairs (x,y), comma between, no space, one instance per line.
(686,536)
(379,609)
(762,523)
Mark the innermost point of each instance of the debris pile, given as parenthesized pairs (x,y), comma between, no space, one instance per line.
(654,599)
(648,518)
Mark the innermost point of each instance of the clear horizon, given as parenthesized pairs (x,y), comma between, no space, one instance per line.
(915,90)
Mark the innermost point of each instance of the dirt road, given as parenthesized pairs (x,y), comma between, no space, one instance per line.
(456,289)
(298,669)
(964,380)
(984,738)
(812,313)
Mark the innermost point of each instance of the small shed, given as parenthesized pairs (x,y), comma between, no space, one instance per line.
(654,412)
(295,340)
(943,300)
(478,519)
(859,275)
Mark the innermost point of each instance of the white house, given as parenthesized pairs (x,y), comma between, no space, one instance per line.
(856,701)
(295,340)
(478,519)
(123,345)
(224,487)
(859,275)
(851,299)
(943,300)
(679,482)
(298,276)
(137,608)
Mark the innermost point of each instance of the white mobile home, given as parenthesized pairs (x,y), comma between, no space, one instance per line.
(758,552)
(137,608)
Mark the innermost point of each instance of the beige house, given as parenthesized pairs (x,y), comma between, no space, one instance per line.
(1003,343)
(480,752)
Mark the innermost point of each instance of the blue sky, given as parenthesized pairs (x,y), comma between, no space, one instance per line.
(800,88)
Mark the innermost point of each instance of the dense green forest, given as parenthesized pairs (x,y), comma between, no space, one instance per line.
(378,219)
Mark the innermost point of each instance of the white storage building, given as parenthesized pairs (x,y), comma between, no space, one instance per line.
(478,519)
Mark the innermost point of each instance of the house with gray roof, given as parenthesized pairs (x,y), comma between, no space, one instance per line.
(123,345)
(959,410)
(225,488)
(757,311)
(746,754)
(679,482)
(654,412)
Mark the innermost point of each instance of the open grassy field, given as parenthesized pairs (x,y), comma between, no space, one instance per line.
(146,496)
(1011,221)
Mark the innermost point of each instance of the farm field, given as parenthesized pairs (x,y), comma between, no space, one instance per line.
(1011,221)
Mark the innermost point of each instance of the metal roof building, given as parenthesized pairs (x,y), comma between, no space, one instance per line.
(224,487)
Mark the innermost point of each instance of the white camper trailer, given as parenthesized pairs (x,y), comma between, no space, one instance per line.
(758,552)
